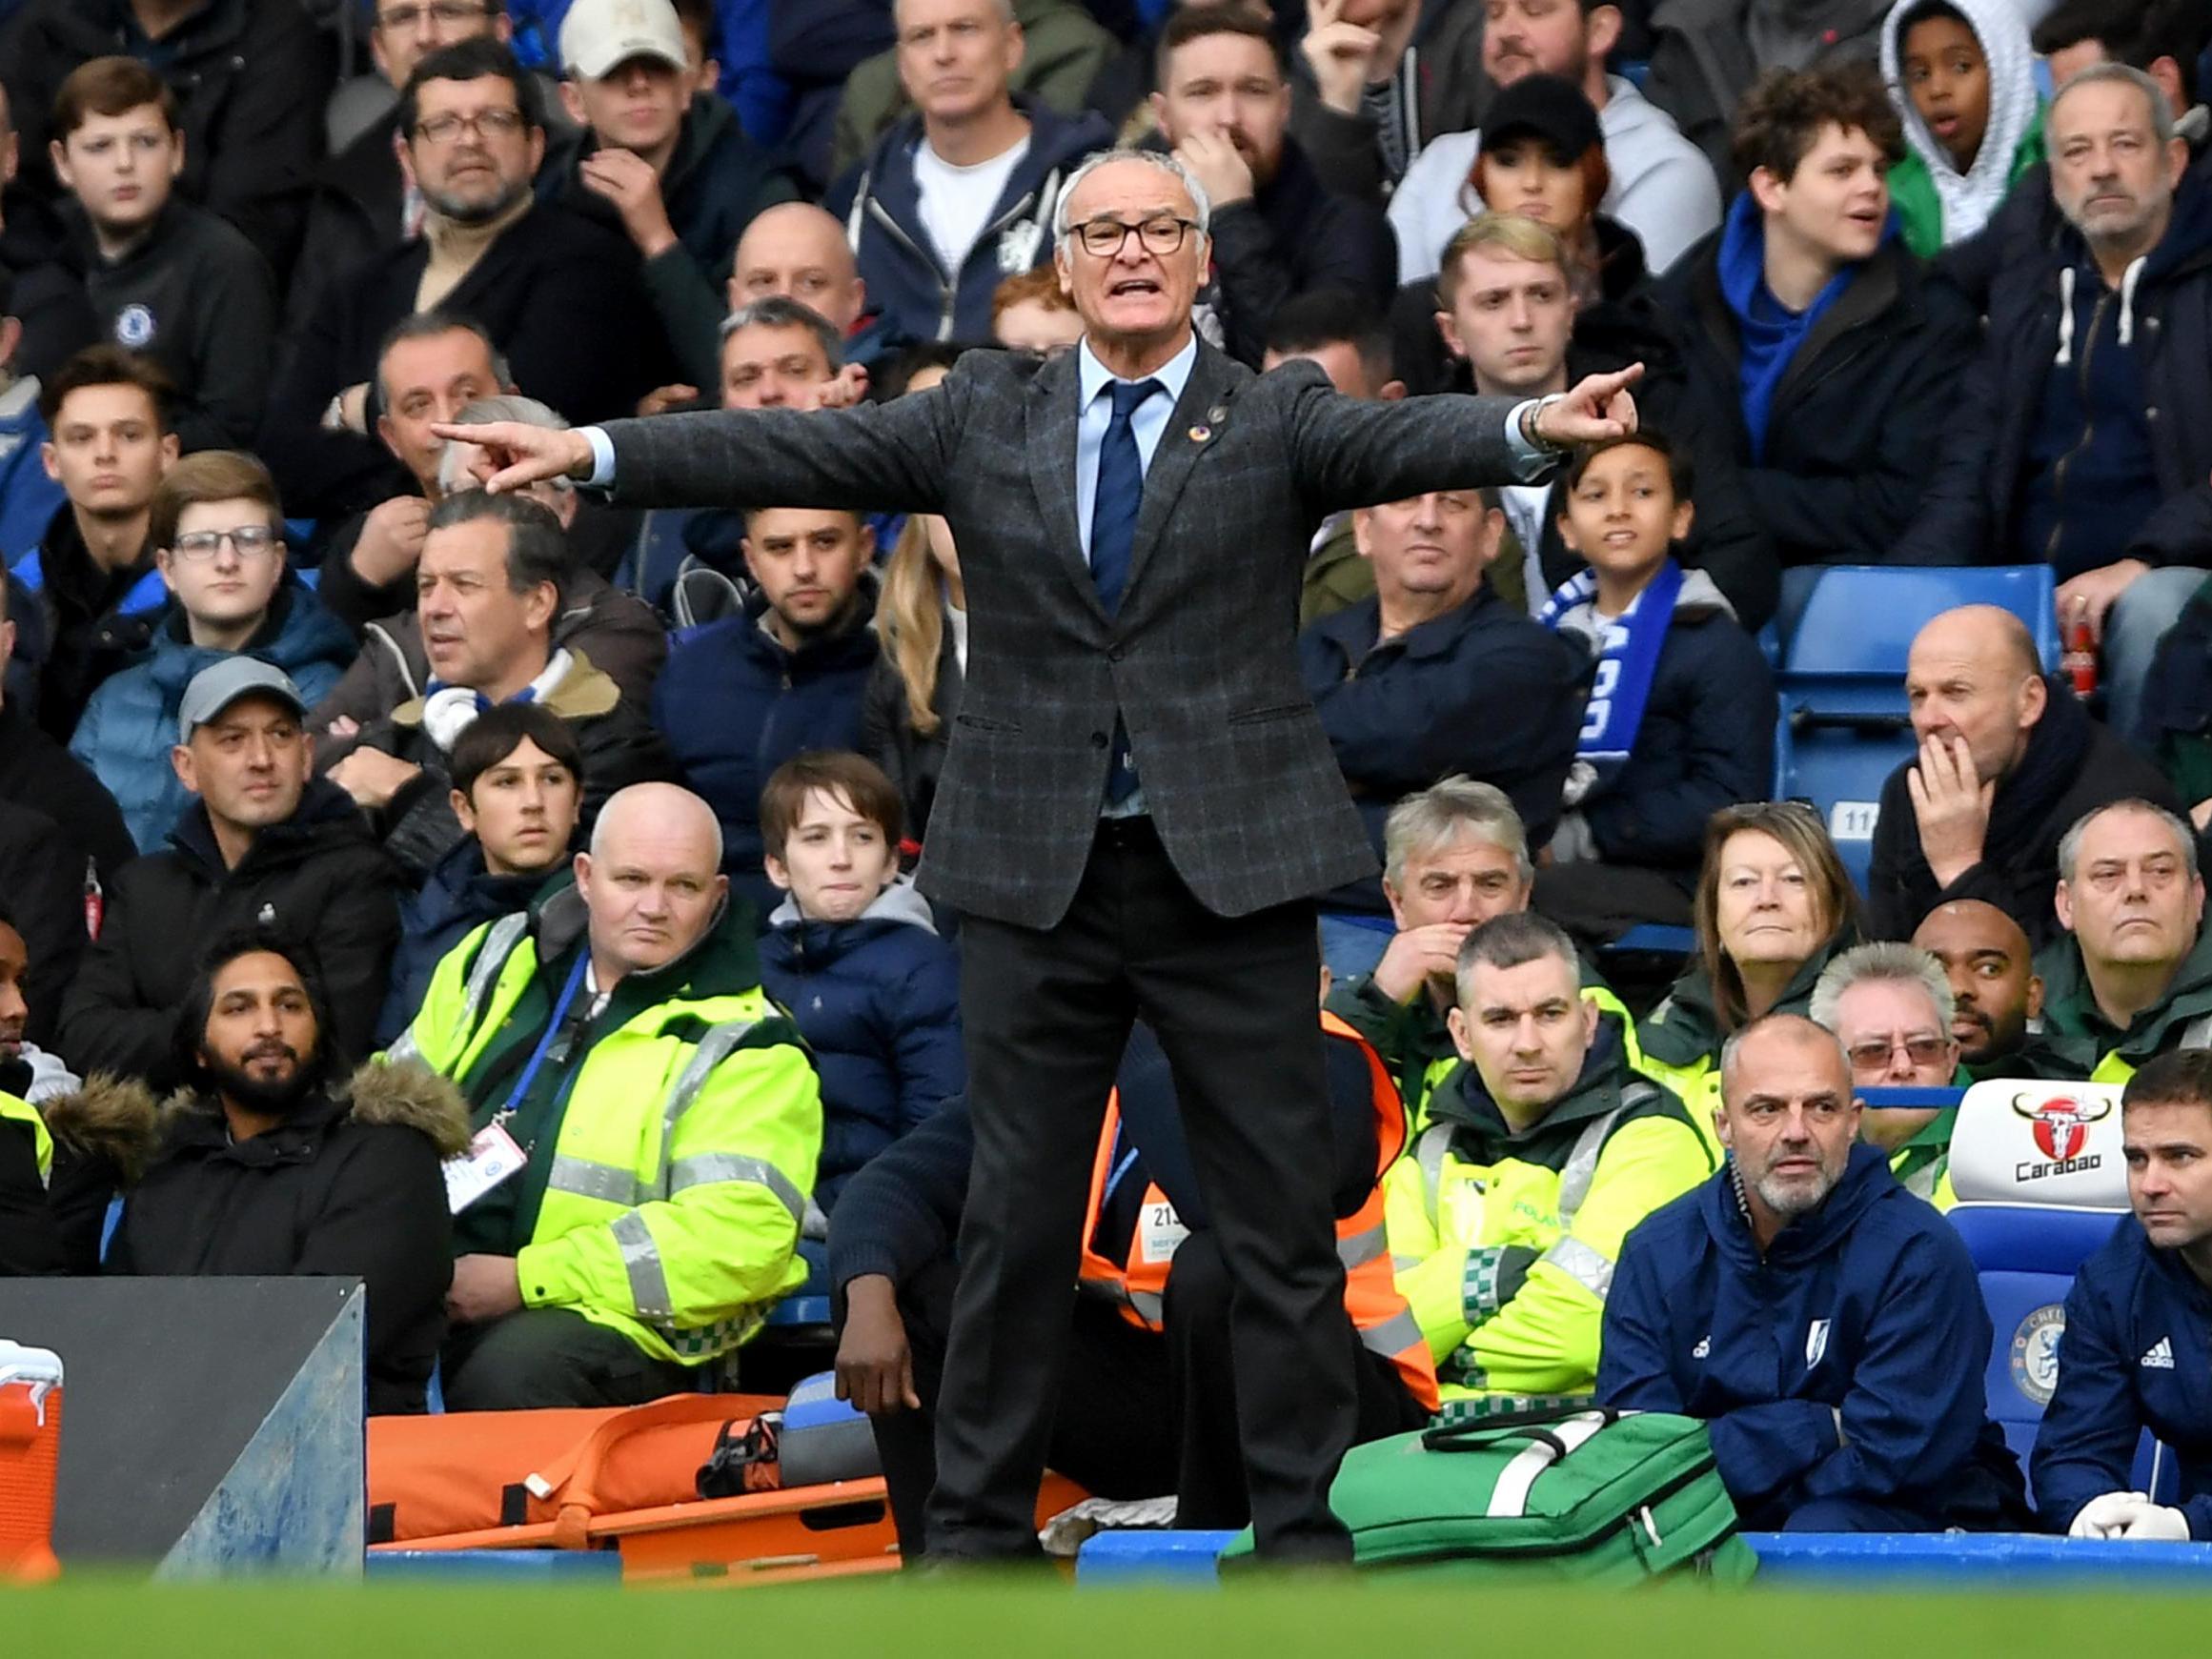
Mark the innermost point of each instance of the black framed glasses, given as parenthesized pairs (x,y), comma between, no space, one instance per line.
(1161,235)
(252,540)
(446,129)
(399,19)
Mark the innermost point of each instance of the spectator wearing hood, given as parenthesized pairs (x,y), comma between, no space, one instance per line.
(272,1160)
(960,192)
(1965,80)
(1681,722)
(1549,62)
(1827,358)
(742,694)
(853,954)
(218,539)
(1223,105)
(2082,437)
(666,166)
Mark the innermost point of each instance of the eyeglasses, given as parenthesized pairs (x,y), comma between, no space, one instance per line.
(402,19)
(252,540)
(1876,1055)
(484,124)
(1103,238)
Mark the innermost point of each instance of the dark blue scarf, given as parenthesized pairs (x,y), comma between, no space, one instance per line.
(1628,656)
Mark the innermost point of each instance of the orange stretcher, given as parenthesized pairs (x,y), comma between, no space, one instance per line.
(625,1481)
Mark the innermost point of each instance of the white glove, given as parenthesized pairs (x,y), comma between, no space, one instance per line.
(2109,1516)
(2156,1522)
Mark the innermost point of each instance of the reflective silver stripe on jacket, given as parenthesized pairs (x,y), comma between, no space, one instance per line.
(1394,1335)
(585,1178)
(641,1262)
(716,1169)
(1429,1153)
(1584,1263)
(1361,1248)
(483,973)
(714,1048)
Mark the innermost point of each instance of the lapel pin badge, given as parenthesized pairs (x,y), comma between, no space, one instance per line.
(1200,434)
(1219,412)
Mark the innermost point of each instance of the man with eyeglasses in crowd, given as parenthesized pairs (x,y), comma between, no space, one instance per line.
(1891,1008)
(533,275)
(1139,803)
(363,198)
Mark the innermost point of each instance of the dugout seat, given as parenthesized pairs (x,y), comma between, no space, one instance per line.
(2041,1182)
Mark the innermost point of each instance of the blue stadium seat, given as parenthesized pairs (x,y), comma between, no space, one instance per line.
(1846,631)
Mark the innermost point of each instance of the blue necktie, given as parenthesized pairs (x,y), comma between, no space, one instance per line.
(1113,535)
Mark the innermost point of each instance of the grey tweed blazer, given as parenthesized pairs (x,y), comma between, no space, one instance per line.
(1200,659)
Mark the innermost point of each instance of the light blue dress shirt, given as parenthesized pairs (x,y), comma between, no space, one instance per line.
(1146,425)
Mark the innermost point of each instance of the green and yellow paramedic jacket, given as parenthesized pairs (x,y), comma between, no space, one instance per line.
(1504,1244)
(1416,1046)
(14,1110)
(1681,1038)
(2086,1044)
(683,1138)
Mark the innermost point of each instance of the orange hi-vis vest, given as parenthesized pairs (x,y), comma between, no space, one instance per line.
(1138,1284)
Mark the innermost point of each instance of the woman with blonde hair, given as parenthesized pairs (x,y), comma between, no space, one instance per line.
(921,626)
(1773,904)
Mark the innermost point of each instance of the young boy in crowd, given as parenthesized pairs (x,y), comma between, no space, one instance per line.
(854,957)
(1962,75)
(1681,721)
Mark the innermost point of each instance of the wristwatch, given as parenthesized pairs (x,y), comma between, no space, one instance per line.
(1531,417)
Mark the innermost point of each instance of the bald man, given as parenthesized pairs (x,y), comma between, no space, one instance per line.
(2008,760)
(800,251)
(646,1125)
(1824,1321)
(1995,993)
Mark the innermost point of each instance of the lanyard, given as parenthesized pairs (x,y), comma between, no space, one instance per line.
(546,1041)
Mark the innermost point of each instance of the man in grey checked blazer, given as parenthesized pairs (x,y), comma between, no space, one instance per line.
(1189,901)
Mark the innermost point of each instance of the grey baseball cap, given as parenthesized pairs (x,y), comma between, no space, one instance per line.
(216,687)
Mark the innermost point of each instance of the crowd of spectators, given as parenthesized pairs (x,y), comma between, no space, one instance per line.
(393,826)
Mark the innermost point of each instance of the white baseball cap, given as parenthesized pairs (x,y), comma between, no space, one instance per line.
(600,35)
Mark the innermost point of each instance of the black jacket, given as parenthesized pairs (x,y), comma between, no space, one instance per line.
(316,878)
(559,295)
(251,78)
(77,623)
(30,1244)
(349,1186)
(2073,765)
(199,300)
(1292,236)
(1434,701)
(1977,506)
(355,212)
(42,883)
(38,772)
(715,181)
(1862,411)
(47,286)
(911,759)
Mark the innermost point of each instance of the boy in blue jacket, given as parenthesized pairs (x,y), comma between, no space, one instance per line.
(1824,1321)
(2136,1348)
(853,955)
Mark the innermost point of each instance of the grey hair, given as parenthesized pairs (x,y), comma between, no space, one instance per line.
(2162,128)
(483,412)
(1157,159)
(1730,1049)
(1455,809)
(779,310)
(1888,961)
(1509,942)
(1004,7)
(2070,843)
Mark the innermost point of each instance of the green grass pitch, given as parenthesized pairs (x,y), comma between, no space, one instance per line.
(1341,1617)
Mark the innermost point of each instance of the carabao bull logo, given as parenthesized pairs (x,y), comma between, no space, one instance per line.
(2060,1126)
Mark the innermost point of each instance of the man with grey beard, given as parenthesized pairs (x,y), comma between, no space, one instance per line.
(472,136)
(1823,1320)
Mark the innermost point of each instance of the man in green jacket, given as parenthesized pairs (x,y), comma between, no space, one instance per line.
(2132,977)
(646,1125)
